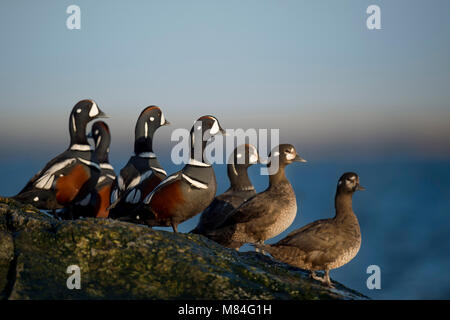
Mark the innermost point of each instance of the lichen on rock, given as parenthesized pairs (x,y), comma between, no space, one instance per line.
(120,260)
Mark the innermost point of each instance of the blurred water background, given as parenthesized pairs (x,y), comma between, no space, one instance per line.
(376,102)
(404,216)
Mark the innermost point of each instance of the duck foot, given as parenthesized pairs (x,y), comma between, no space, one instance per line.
(325,279)
(259,250)
(174,227)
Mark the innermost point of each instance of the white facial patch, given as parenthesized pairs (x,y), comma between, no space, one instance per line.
(199,128)
(73,124)
(78,110)
(146,130)
(290,156)
(98,141)
(163,120)
(214,128)
(94,110)
(152,119)
(239,156)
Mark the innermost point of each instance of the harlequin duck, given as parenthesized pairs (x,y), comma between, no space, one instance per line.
(240,189)
(96,203)
(189,191)
(267,214)
(143,172)
(324,244)
(71,175)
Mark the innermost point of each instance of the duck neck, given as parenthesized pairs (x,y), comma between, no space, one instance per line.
(143,145)
(197,150)
(278,178)
(343,205)
(238,175)
(77,130)
(143,140)
(102,151)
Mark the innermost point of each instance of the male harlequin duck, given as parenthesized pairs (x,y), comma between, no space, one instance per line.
(324,244)
(267,214)
(96,203)
(240,189)
(71,175)
(189,191)
(143,172)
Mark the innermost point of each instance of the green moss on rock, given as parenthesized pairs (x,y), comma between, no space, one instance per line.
(127,261)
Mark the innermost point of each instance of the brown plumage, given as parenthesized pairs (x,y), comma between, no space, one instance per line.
(241,189)
(267,214)
(324,244)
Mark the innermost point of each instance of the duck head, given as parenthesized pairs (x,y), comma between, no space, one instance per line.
(82,113)
(349,183)
(102,139)
(150,119)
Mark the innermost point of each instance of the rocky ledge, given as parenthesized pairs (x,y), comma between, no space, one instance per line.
(120,260)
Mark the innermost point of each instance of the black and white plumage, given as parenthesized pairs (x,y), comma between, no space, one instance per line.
(96,202)
(240,190)
(324,244)
(70,176)
(143,172)
(189,191)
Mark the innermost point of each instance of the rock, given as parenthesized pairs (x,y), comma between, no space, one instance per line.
(119,260)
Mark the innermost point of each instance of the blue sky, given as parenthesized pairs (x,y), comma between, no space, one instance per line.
(310,68)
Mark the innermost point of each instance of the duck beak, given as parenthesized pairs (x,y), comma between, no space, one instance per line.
(167,123)
(223,132)
(299,159)
(101,114)
(360,188)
